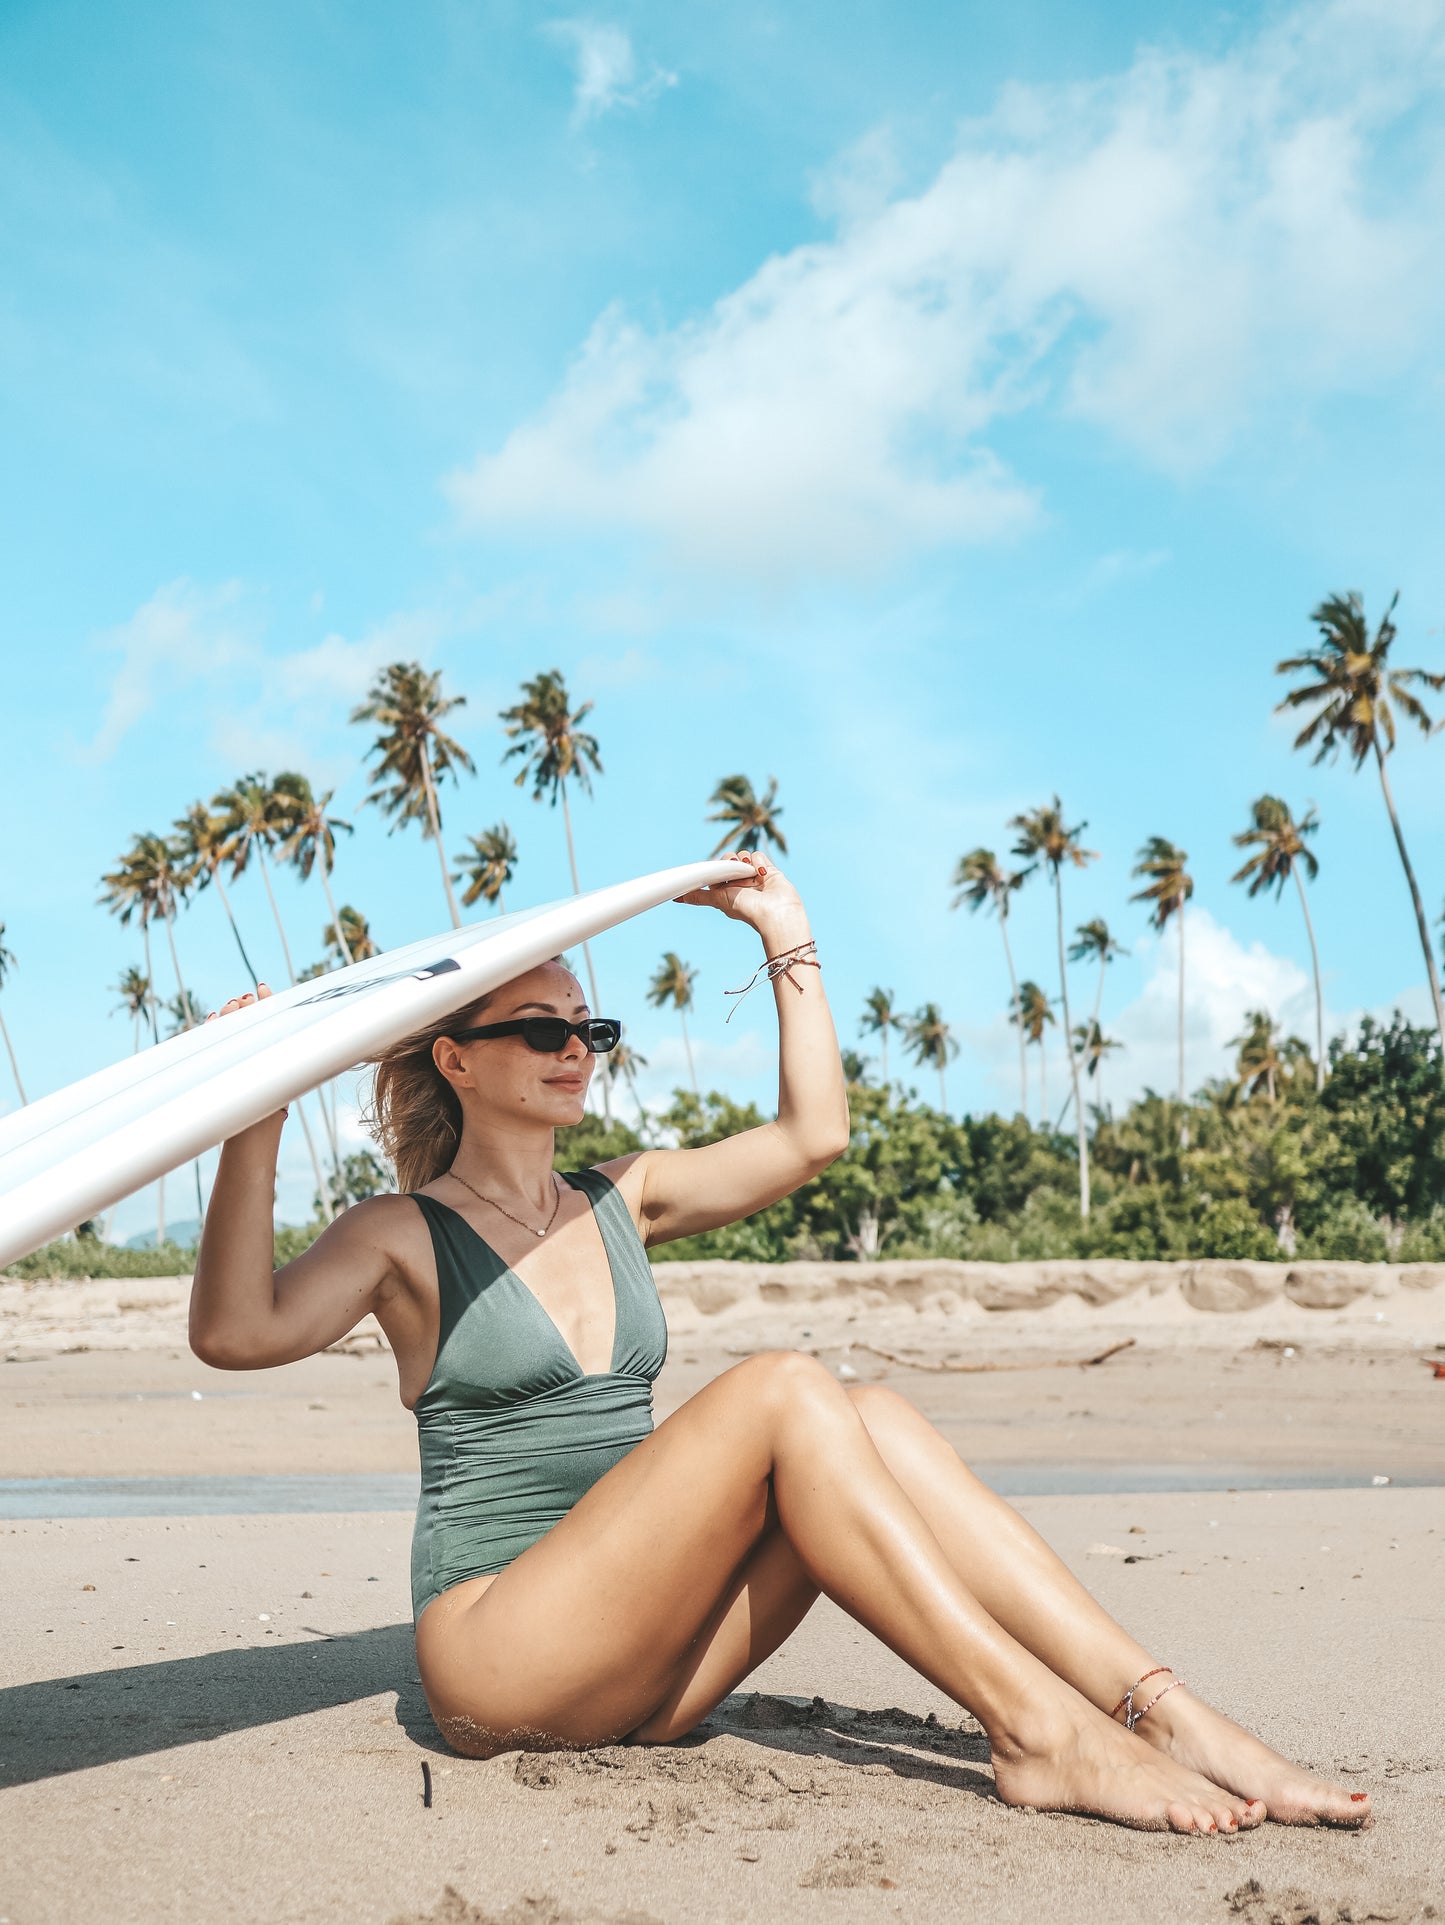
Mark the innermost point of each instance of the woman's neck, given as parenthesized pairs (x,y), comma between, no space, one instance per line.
(506,1161)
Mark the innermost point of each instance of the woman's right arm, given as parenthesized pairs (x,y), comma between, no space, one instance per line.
(247,1315)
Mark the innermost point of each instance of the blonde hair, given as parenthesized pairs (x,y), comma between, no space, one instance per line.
(414,1114)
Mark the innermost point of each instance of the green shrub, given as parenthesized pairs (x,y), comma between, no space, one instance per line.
(85,1257)
(1348,1233)
(1231,1229)
(1423,1242)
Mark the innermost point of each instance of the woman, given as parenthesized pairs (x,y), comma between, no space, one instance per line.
(579,1576)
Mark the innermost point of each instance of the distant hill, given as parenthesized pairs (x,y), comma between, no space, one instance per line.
(184,1234)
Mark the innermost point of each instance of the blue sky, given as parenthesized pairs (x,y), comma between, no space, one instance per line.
(931,407)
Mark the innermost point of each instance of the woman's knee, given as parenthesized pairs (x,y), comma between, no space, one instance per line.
(789,1383)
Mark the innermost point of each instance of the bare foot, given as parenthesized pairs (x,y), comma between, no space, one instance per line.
(1201,1739)
(1085,1763)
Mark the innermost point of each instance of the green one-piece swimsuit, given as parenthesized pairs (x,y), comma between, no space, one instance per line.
(512,1433)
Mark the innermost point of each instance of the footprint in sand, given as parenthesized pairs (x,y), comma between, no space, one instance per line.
(854,1863)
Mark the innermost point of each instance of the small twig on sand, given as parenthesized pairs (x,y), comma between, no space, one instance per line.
(426,1784)
(1047,1363)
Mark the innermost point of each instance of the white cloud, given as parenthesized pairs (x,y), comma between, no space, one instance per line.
(1175,254)
(188,642)
(1223,979)
(605,67)
(182,635)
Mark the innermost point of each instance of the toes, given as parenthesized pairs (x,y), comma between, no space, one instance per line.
(1180,1818)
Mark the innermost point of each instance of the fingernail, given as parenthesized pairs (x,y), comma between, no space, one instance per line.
(1358,1797)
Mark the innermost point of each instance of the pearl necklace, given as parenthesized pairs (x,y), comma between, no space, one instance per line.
(556,1203)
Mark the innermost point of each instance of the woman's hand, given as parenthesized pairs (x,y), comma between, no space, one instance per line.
(263,990)
(766,900)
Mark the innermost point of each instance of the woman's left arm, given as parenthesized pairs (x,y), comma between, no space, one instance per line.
(680,1192)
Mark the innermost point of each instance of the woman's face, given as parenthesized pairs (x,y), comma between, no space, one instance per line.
(501,1077)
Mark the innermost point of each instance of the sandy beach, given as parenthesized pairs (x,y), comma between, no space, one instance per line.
(215,1717)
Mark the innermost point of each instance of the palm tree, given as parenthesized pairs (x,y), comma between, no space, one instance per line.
(137,999)
(626,1062)
(1091,1046)
(1093,939)
(1168,888)
(981,880)
(413,752)
(488,866)
(544,731)
(151,880)
(1033,1013)
(1354,693)
(1045,837)
(672,983)
(754,818)
(257,815)
(202,844)
(7,963)
(312,841)
(349,937)
(1260,1063)
(879,1016)
(928,1039)
(184,1013)
(1279,853)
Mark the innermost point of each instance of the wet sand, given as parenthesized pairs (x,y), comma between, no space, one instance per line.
(227,1726)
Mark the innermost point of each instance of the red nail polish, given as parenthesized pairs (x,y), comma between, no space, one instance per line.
(1358,1797)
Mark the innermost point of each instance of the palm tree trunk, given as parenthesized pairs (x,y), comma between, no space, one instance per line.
(1420,922)
(1184,1120)
(687,1045)
(14,1066)
(276,914)
(942,1091)
(1043,1085)
(235,927)
(604,1078)
(1319,993)
(434,817)
(145,931)
(341,943)
(883,1041)
(1017,1012)
(1081,1134)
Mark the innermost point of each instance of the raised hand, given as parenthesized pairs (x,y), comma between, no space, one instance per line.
(766,900)
(263,990)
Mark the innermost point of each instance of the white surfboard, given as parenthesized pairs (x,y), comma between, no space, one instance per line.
(71,1155)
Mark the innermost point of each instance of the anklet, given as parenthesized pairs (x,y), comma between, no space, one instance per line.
(1135,1716)
(1126,1703)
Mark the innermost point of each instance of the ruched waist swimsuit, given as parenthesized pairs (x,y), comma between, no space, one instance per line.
(512,1432)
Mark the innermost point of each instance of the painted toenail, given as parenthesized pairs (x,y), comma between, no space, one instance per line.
(1358,1797)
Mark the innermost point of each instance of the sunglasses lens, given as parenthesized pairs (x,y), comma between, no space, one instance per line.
(602,1035)
(547,1034)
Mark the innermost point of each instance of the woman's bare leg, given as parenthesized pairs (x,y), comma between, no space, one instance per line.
(586,1634)
(1029,1591)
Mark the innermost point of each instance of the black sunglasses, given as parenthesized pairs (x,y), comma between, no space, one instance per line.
(549,1034)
